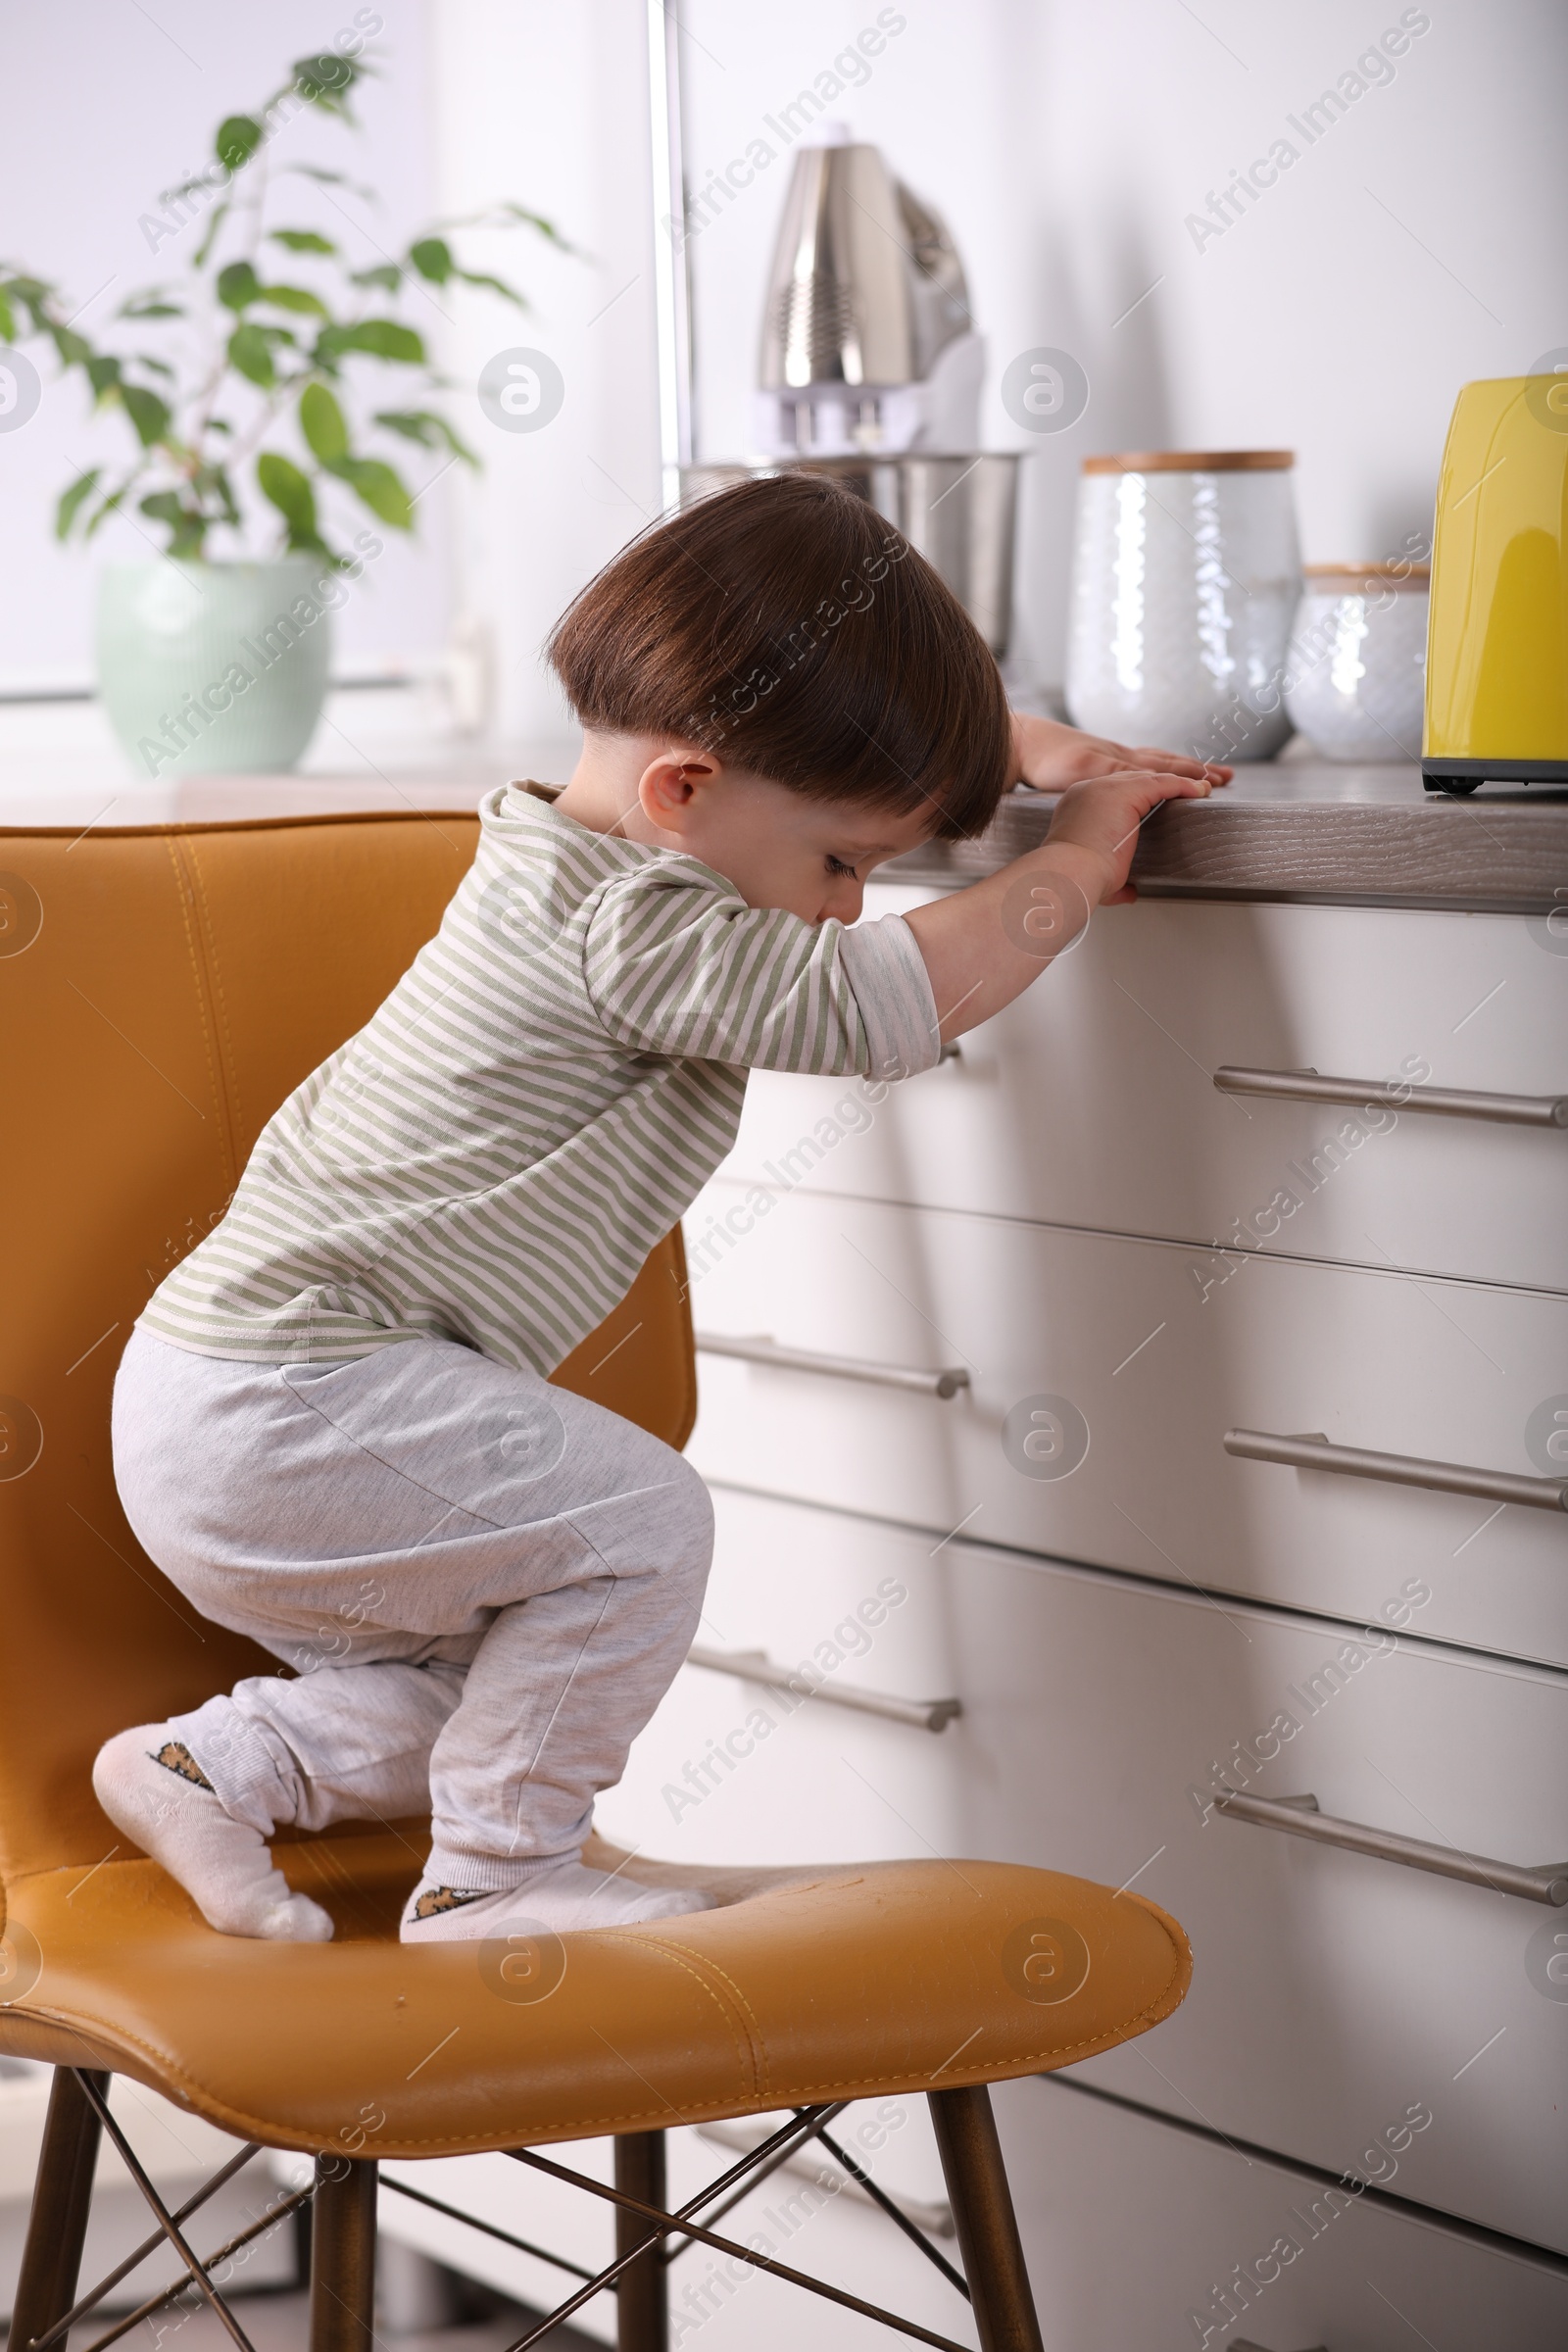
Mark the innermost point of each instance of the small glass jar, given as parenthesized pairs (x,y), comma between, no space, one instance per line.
(1357,665)
(1185,577)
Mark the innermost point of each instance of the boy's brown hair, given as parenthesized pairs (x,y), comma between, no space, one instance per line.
(787,626)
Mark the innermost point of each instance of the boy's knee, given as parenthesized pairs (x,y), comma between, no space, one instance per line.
(680,1518)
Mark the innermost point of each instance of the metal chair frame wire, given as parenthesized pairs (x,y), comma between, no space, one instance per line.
(341,2198)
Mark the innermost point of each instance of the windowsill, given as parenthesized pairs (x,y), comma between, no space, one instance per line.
(375,748)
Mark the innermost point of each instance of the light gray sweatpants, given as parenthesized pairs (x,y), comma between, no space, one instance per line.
(484,1586)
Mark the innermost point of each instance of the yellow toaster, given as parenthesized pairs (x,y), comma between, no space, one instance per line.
(1498,640)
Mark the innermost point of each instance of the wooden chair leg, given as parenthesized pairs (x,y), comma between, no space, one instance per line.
(62,2197)
(988,2229)
(642,2299)
(342,2254)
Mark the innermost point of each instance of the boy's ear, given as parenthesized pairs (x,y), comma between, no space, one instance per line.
(671,783)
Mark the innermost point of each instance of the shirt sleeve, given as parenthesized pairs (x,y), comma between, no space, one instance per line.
(891,987)
(674,965)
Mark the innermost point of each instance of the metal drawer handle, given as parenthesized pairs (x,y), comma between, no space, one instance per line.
(1298,1817)
(945,1383)
(1451,1102)
(756,1666)
(1313,1452)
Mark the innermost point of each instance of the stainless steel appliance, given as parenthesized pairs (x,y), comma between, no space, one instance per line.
(870,370)
(868,346)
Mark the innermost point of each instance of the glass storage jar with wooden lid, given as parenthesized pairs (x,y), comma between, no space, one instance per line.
(1186,576)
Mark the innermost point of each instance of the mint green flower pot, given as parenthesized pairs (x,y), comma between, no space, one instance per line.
(207,669)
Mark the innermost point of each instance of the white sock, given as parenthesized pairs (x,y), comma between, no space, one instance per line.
(563,1895)
(153,1790)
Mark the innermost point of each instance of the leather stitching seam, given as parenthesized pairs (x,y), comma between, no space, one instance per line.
(215,1080)
(221,1001)
(257,2126)
(754,2029)
(746,2047)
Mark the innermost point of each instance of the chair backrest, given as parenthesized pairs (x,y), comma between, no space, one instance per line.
(162,990)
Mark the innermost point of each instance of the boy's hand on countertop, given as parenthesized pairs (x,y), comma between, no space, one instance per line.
(1096,827)
(1048,756)
(983,945)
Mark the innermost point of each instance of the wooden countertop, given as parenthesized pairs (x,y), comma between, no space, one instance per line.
(1306,832)
(1289,829)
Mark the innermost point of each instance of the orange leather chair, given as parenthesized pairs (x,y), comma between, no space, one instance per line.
(161,991)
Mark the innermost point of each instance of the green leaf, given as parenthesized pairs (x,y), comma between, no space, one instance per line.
(321,422)
(103,374)
(326,80)
(495,285)
(74,351)
(250,351)
(188,524)
(294,298)
(515,216)
(380,489)
(302,240)
(238,137)
(147,413)
(150,306)
(427,428)
(432,257)
(282,483)
(144,358)
(385,274)
(111,506)
(238,285)
(70,499)
(519,216)
(212,482)
(34,296)
(8,320)
(383,338)
(332,179)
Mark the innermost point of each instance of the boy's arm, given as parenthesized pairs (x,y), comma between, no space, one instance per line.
(983,945)
(672,969)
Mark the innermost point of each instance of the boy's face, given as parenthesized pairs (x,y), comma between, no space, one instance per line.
(809,856)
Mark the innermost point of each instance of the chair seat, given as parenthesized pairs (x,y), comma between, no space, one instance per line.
(802,1987)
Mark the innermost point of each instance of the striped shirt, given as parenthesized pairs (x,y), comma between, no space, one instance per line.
(541,1097)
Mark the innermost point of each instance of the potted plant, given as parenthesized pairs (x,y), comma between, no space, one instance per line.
(257,366)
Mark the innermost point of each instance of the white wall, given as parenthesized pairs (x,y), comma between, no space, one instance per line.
(1417,245)
(557,116)
(108,105)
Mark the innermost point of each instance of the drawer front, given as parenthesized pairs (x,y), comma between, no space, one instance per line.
(1101,1715)
(1151,1352)
(1090,1101)
(1295,2263)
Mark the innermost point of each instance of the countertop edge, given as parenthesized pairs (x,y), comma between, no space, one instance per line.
(1306,848)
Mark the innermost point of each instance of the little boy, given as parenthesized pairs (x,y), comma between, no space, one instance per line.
(331,1427)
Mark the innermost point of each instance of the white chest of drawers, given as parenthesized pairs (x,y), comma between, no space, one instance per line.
(1091,1102)
(1067,1217)
(1159,1357)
